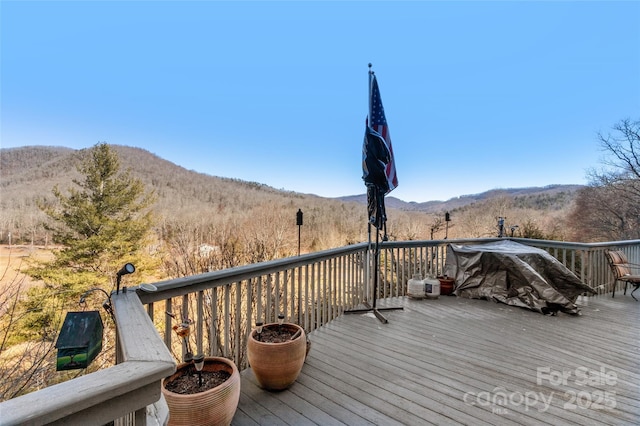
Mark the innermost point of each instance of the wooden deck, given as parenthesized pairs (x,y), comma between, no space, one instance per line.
(461,361)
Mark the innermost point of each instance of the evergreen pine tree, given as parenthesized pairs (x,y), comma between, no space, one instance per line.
(101,224)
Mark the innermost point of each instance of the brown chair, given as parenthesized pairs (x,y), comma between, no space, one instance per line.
(621,269)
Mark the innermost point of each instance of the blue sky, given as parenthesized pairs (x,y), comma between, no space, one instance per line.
(478,95)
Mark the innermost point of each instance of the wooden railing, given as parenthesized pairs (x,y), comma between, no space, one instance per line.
(399,260)
(121,391)
(223,306)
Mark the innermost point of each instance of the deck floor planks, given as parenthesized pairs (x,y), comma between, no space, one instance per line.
(416,382)
(364,390)
(385,386)
(497,363)
(302,405)
(281,405)
(325,397)
(443,364)
(418,368)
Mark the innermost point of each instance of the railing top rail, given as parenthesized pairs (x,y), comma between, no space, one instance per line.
(527,241)
(574,245)
(181,286)
(146,361)
(434,243)
(184,285)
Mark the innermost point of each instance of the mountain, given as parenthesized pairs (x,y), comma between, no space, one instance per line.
(533,196)
(32,171)
(28,175)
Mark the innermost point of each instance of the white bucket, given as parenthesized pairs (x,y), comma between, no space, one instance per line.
(432,288)
(415,287)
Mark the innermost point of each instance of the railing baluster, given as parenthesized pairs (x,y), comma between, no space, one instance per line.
(150,311)
(226,314)
(214,347)
(331,264)
(267,307)
(342,279)
(285,295)
(326,293)
(306,297)
(200,322)
(249,322)
(184,317)
(167,323)
(259,299)
(395,272)
(312,297)
(294,298)
(321,291)
(238,322)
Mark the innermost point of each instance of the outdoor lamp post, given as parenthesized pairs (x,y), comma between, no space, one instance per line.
(299,223)
(447,219)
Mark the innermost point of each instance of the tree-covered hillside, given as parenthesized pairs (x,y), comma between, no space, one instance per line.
(187,199)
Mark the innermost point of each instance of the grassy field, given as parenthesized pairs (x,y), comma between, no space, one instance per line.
(13,259)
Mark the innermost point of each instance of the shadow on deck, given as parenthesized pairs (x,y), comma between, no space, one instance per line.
(462,361)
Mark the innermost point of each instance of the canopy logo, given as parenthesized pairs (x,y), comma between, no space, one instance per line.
(499,399)
(592,392)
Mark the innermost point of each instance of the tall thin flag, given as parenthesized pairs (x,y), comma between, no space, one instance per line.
(379,175)
(378,165)
(378,123)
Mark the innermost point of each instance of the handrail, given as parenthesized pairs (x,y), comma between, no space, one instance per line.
(104,395)
(311,288)
(184,285)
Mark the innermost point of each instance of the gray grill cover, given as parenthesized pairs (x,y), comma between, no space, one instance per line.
(515,274)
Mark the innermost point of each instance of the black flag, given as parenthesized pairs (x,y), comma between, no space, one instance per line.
(378,165)
(375,157)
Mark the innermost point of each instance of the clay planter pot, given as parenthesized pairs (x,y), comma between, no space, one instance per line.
(447,285)
(277,365)
(215,406)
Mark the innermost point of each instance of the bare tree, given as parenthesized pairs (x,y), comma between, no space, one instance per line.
(609,209)
(604,214)
(24,366)
(622,155)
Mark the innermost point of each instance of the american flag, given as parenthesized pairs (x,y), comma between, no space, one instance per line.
(378,122)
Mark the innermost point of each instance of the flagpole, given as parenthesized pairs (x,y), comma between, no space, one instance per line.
(370,106)
(368,221)
(376,255)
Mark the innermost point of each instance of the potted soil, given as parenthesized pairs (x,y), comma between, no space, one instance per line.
(276,353)
(447,285)
(203,390)
(208,396)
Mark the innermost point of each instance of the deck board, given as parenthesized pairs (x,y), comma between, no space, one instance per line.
(444,361)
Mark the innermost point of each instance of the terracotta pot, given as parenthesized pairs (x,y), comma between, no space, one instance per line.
(447,285)
(215,406)
(277,365)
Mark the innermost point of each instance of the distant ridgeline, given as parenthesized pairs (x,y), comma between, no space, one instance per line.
(29,174)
